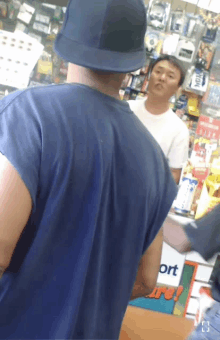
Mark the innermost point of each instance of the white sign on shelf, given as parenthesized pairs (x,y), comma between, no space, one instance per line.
(171,267)
(18,55)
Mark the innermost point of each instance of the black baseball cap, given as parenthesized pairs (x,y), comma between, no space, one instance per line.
(105,35)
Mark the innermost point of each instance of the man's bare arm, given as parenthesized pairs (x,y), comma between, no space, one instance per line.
(175,236)
(15,209)
(176,174)
(148,268)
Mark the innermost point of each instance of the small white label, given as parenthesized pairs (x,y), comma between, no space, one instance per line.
(205,326)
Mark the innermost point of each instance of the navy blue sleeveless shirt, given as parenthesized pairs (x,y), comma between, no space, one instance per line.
(101,189)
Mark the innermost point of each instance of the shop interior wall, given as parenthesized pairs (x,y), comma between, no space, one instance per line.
(175,4)
(179,3)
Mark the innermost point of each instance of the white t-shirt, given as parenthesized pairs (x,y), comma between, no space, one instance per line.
(169,131)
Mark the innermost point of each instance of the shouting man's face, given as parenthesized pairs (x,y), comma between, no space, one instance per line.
(164,80)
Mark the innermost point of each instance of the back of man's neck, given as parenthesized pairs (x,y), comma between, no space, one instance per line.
(156,106)
(106,83)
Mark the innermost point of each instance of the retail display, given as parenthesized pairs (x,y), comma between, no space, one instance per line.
(158,14)
(177,19)
(196,43)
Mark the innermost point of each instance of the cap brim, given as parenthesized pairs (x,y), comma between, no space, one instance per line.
(103,60)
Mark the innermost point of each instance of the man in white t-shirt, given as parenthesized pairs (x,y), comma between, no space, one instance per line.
(166,75)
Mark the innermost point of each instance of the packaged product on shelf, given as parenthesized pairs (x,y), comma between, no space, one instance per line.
(210,34)
(204,162)
(144,70)
(205,55)
(153,42)
(197,81)
(44,19)
(201,173)
(54,30)
(145,85)
(45,65)
(193,106)
(121,94)
(13,9)
(202,151)
(215,68)
(180,106)
(158,14)
(127,94)
(185,50)
(26,12)
(193,26)
(170,44)
(38,26)
(58,13)
(176,22)
(212,96)
(126,81)
(185,195)
(133,95)
(137,82)
(210,195)
(3,9)
(210,111)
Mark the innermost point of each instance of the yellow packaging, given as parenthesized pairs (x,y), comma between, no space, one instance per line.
(210,195)
(44,67)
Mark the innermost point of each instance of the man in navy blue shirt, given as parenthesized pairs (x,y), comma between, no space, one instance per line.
(84,187)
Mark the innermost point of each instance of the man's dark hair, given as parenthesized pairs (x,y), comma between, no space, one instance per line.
(174,61)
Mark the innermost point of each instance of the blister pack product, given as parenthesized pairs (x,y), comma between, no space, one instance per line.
(209,111)
(210,34)
(170,44)
(205,55)
(198,83)
(153,42)
(176,22)
(137,82)
(186,50)
(158,14)
(212,96)
(193,106)
(193,26)
(126,81)
(215,68)
(180,106)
